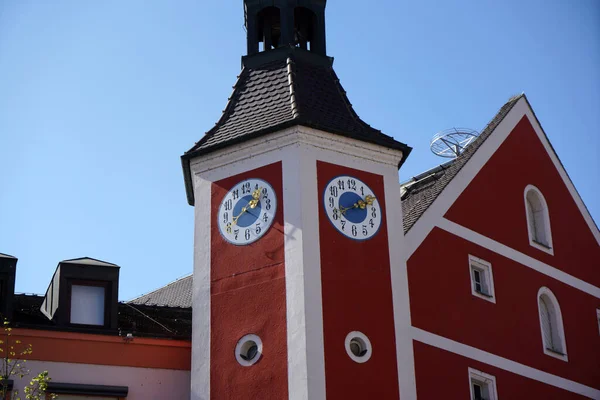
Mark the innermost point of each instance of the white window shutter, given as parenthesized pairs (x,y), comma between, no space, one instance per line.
(484,283)
(540,226)
(531,220)
(546,324)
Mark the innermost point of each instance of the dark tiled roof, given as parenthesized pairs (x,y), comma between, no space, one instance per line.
(291,87)
(283,88)
(141,320)
(175,294)
(421,191)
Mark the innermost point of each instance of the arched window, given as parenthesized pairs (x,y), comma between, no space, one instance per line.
(538,220)
(551,325)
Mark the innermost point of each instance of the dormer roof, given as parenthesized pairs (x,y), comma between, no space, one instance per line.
(89,261)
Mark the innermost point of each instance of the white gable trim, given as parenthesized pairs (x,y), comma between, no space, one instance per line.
(563,173)
(459,183)
(432,216)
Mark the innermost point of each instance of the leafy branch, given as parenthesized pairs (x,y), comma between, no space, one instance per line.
(13,364)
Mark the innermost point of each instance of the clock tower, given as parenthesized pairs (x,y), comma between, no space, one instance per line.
(300,289)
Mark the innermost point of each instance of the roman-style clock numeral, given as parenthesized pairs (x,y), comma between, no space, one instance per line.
(352,207)
(247,211)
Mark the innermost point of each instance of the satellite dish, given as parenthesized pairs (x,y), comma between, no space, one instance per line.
(452,142)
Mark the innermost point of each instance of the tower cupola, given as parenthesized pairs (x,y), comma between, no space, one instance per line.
(278,23)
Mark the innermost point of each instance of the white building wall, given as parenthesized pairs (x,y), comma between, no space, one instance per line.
(143,383)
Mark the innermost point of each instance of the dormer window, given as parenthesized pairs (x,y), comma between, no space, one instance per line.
(538,220)
(83,294)
(88,303)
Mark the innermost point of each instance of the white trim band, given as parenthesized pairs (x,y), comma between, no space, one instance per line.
(512,254)
(503,363)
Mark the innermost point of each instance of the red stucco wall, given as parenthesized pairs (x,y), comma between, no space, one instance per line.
(444,375)
(493,205)
(442,303)
(357,296)
(248,296)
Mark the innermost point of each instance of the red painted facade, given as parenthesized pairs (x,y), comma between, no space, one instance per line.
(444,375)
(248,296)
(494,206)
(441,298)
(356,282)
(442,303)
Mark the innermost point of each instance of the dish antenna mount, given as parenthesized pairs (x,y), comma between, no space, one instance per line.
(452,142)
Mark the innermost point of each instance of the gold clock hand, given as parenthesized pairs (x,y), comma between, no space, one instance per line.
(362,204)
(252,204)
(235,219)
(370,199)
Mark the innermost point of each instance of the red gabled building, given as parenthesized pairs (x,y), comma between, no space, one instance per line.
(502,259)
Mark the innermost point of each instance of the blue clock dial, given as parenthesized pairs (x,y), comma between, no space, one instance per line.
(247,211)
(250,216)
(352,207)
(355,215)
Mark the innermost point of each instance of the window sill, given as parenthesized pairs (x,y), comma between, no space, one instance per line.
(556,354)
(543,247)
(485,297)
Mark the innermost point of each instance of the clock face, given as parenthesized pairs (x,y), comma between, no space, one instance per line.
(352,207)
(247,211)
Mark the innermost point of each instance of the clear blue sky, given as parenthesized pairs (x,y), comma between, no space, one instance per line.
(98,99)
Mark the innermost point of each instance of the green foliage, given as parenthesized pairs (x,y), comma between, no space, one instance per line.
(13,364)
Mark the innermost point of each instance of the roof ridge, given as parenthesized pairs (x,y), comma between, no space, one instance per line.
(291,64)
(74,261)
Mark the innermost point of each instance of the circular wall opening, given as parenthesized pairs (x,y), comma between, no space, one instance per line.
(358,347)
(248,350)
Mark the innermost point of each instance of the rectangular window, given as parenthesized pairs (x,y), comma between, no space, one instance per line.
(87,304)
(482,279)
(482,385)
(77,391)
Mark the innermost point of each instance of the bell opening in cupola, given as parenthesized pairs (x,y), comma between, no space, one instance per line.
(272,24)
(269,28)
(305,22)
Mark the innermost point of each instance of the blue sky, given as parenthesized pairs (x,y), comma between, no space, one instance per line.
(99,99)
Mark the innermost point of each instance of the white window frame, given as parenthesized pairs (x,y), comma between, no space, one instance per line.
(546,220)
(544,291)
(88,304)
(485,379)
(486,268)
